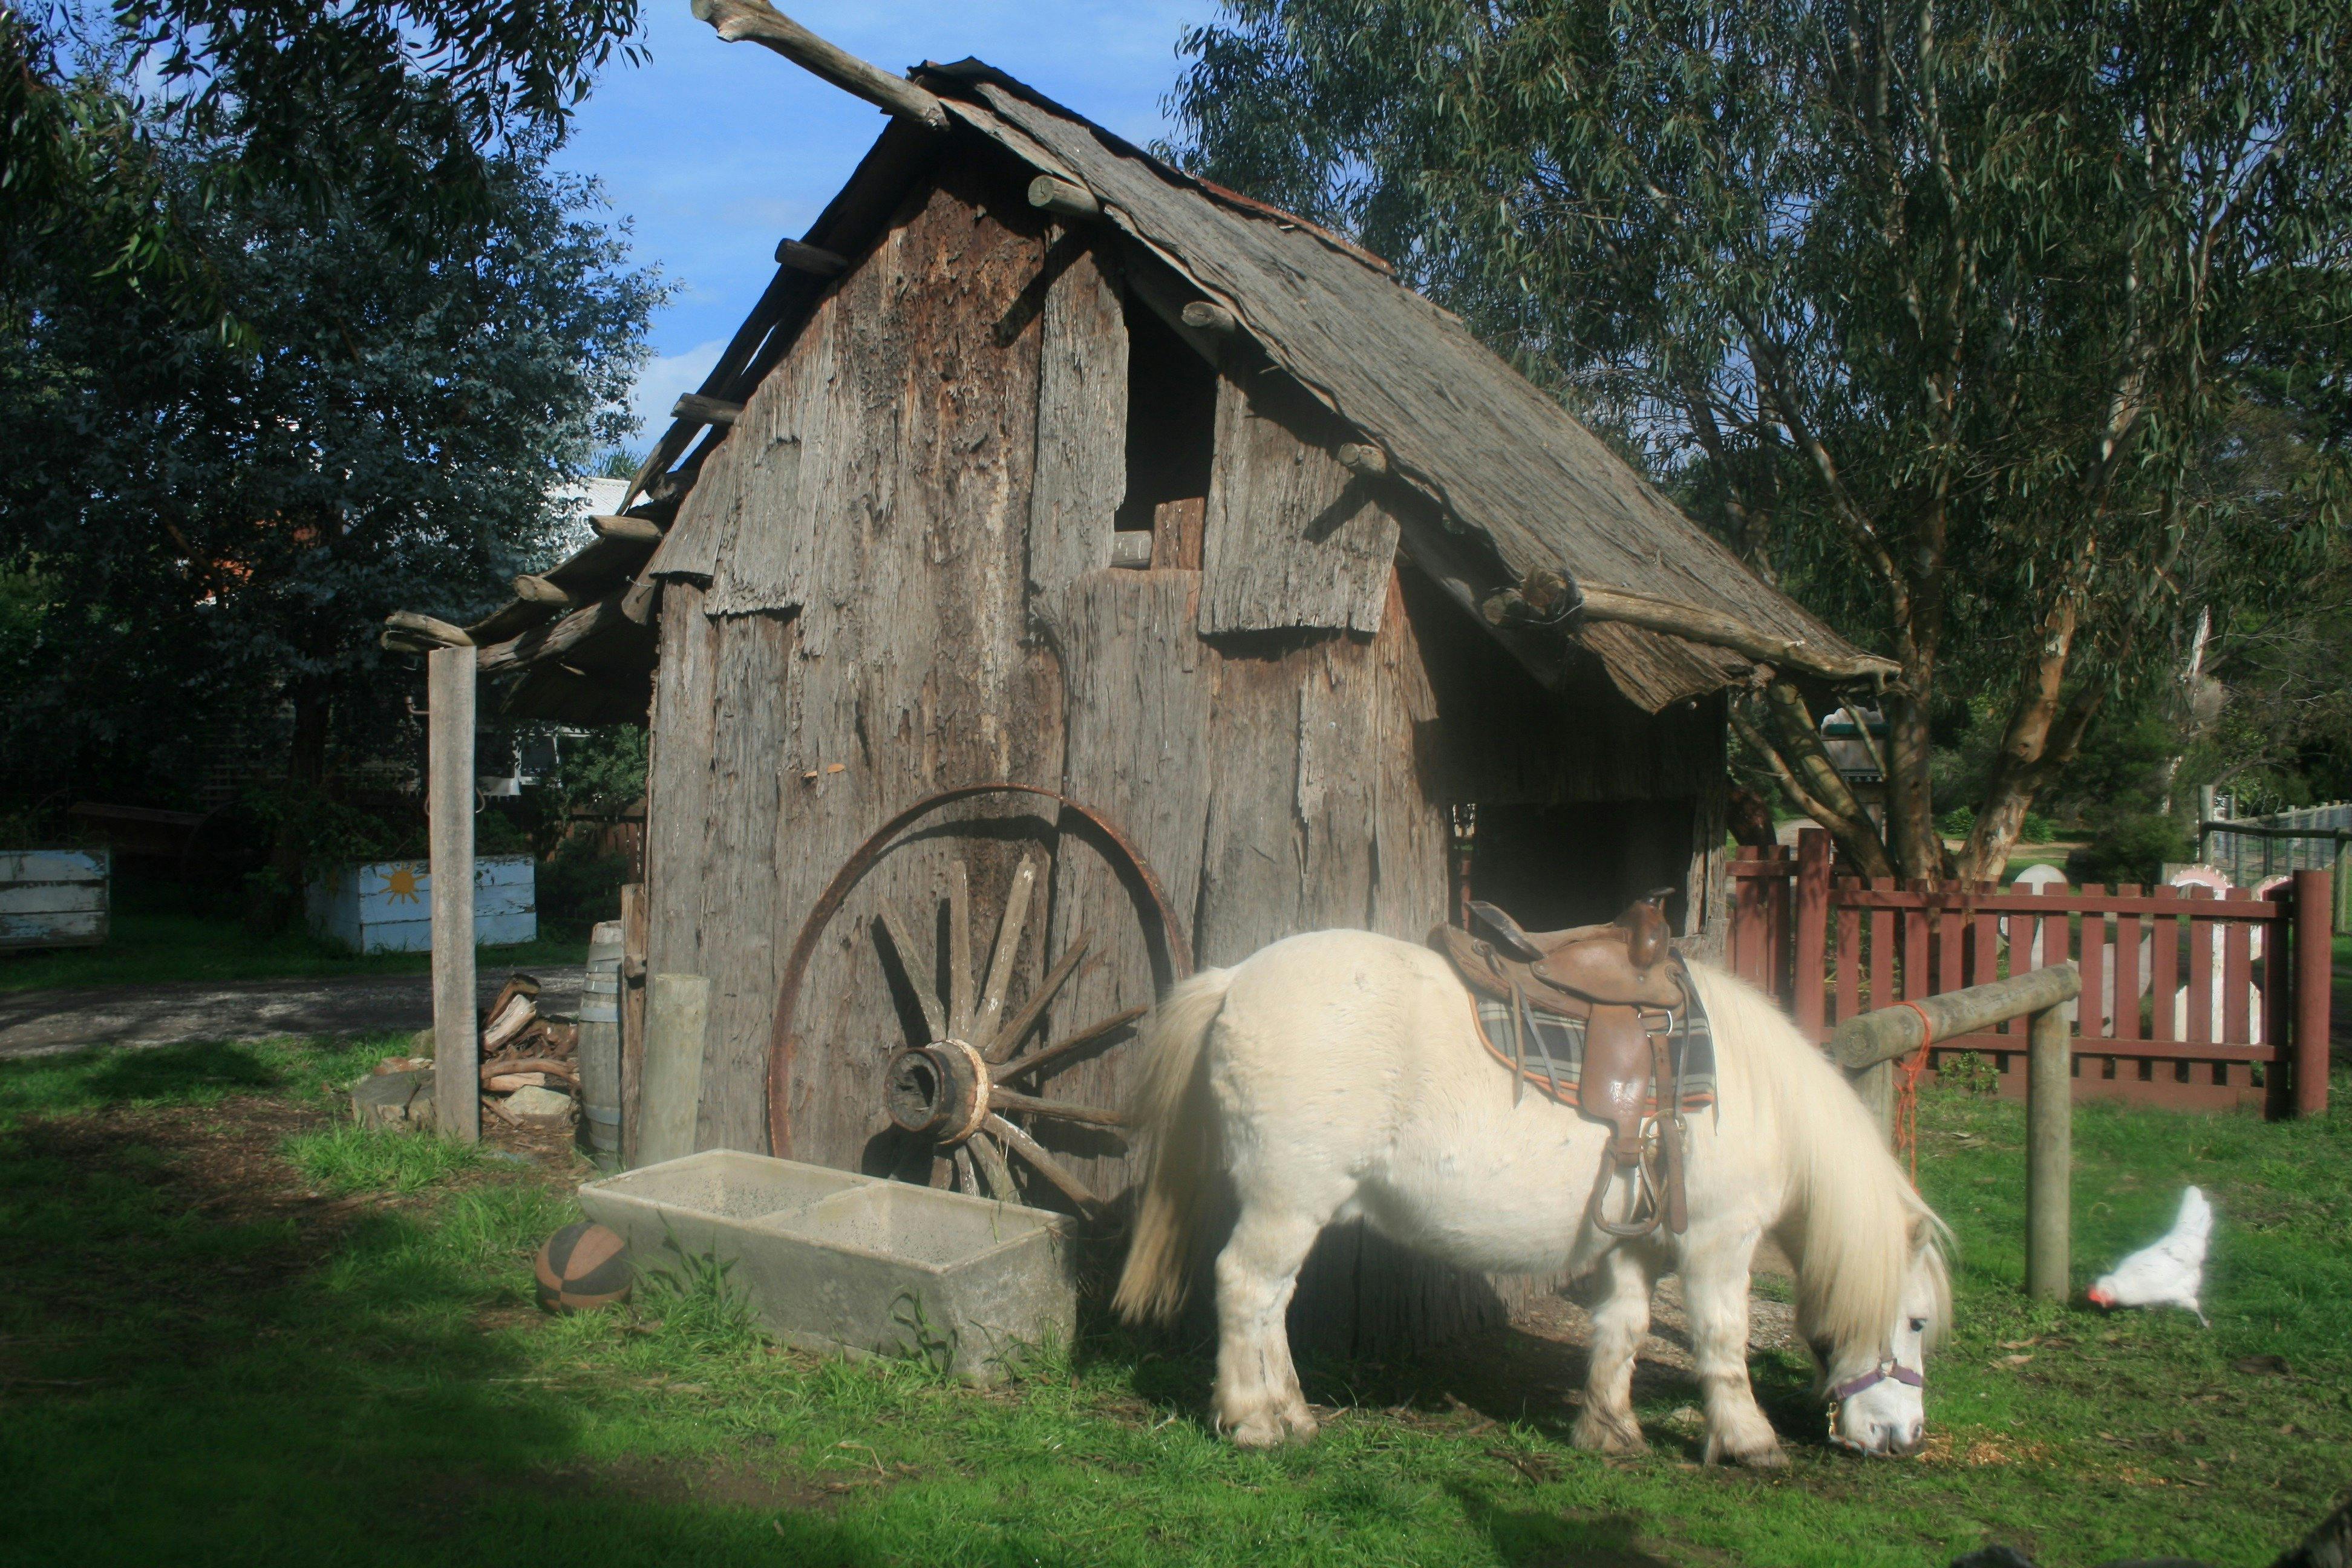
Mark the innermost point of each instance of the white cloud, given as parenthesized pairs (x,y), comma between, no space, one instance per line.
(662,380)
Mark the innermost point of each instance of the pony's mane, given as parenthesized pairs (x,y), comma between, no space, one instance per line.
(1856,1225)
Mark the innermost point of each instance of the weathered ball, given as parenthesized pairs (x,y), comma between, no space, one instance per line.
(584,1266)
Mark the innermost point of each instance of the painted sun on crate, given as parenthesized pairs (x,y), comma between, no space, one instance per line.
(387,907)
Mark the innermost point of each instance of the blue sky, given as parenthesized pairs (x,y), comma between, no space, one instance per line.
(716,151)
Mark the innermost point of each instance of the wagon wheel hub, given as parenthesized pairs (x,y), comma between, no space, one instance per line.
(940,1089)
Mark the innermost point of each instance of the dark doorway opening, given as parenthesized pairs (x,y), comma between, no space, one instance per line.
(1554,865)
(1172,422)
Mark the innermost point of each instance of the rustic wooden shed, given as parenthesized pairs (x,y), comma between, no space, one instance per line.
(1041,461)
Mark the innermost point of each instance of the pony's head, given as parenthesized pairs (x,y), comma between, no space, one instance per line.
(1877,1383)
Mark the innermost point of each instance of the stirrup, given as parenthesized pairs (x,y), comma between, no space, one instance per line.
(1645,1210)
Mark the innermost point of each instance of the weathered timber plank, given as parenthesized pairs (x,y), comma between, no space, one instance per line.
(739,884)
(798,429)
(1081,474)
(1137,685)
(910,672)
(1292,538)
(705,519)
(678,781)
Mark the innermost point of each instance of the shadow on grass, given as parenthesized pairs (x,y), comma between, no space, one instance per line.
(1534,1536)
(84,1080)
(202,1365)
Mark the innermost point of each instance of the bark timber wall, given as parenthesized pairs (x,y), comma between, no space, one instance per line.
(895,577)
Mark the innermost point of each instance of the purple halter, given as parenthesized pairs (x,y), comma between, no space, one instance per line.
(1887,1370)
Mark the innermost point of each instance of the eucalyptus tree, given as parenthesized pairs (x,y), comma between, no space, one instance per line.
(221,523)
(1929,310)
(402,107)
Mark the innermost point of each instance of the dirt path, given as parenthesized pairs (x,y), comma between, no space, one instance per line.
(35,1023)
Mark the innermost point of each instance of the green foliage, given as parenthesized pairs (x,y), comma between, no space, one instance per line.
(2130,846)
(403,107)
(348,1159)
(579,885)
(698,1304)
(1968,1073)
(1936,313)
(235,521)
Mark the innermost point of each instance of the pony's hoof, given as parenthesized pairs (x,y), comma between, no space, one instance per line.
(1765,1454)
(1272,1428)
(1601,1434)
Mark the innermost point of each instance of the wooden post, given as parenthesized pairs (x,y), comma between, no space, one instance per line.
(635,929)
(1814,856)
(2278,1005)
(2049,1156)
(1869,1047)
(600,1049)
(449,805)
(677,1014)
(2314,978)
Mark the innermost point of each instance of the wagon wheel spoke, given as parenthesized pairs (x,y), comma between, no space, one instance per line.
(1053,1170)
(966,1183)
(1000,956)
(942,1170)
(1006,1040)
(1001,1099)
(1070,1043)
(902,948)
(993,1165)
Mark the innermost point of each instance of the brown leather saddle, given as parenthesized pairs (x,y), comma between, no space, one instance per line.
(1625,984)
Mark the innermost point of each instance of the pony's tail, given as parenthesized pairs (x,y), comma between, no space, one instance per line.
(1176,1120)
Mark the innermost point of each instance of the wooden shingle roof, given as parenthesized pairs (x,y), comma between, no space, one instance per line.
(1530,519)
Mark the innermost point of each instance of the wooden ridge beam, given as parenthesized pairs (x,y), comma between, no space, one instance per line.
(626,529)
(1203,315)
(427,629)
(534,589)
(1063,199)
(553,640)
(760,23)
(709,410)
(814,260)
(1693,624)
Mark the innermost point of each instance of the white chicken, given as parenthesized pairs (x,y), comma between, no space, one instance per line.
(2169,1274)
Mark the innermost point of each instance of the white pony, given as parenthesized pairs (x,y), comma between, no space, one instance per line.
(1340,1074)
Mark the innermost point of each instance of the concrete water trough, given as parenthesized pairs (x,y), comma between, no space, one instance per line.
(831,1260)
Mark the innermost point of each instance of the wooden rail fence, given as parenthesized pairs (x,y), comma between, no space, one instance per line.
(2186,996)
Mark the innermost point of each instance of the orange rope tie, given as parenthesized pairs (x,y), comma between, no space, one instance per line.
(1906,1093)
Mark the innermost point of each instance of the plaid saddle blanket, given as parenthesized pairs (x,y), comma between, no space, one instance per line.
(1554,1061)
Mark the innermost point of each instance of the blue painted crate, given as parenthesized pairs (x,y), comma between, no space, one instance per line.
(388,907)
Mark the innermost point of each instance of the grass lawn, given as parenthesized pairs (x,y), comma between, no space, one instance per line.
(236,1334)
(156,934)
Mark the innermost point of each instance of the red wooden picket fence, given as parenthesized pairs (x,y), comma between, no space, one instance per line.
(2232,984)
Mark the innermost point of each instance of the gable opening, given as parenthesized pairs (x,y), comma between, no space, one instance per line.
(1171,420)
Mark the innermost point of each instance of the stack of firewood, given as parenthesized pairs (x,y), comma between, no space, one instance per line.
(521,1050)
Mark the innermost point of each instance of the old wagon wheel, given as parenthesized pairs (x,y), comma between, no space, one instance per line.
(969,1087)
